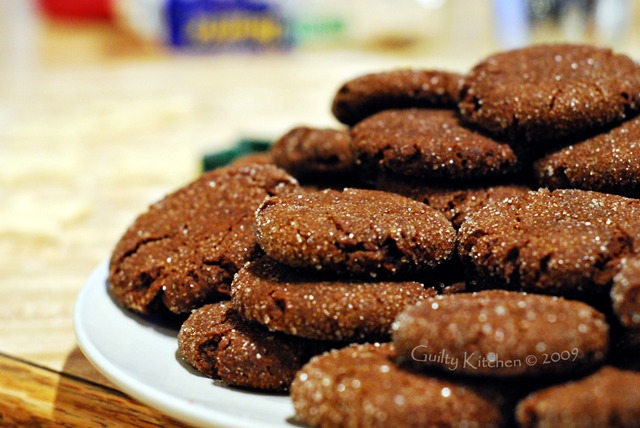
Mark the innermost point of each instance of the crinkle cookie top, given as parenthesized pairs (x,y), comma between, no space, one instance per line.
(368,94)
(568,242)
(184,250)
(546,93)
(357,231)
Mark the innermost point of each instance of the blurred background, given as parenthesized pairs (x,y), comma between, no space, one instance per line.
(107,105)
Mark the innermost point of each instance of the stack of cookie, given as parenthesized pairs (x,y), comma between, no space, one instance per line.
(464,252)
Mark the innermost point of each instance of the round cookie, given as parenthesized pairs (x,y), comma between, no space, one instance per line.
(608,398)
(546,93)
(303,305)
(184,250)
(356,231)
(361,386)
(371,93)
(220,344)
(566,242)
(499,333)
(430,143)
(309,152)
(607,162)
(456,203)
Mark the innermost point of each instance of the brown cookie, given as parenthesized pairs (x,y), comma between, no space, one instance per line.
(314,153)
(357,231)
(303,305)
(497,333)
(220,344)
(431,144)
(184,250)
(456,203)
(566,242)
(372,93)
(608,398)
(546,93)
(607,162)
(625,295)
(362,386)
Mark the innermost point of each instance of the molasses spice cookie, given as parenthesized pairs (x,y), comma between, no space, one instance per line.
(301,304)
(608,398)
(310,152)
(184,251)
(607,162)
(362,386)
(567,242)
(220,344)
(546,93)
(371,93)
(497,333)
(356,231)
(430,143)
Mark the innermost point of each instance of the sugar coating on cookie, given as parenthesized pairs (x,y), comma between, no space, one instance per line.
(497,333)
(545,93)
(625,293)
(357,231)
(566,242)
(430,143)
(608,398)
(312,152)
(362,386)
(184,250)
(220,344)
(301,304)
(371,93)
(607,162)
(455,202)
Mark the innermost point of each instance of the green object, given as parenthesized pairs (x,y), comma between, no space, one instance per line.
(244,146)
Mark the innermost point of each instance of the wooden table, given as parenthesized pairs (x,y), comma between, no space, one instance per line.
(93,127)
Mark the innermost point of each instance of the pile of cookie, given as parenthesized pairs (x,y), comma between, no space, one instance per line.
(465,251)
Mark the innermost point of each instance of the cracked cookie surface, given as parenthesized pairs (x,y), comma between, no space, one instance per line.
(565,242)
(184,250)
(607,162)
(289,301)
(546,93)
(220,344)
(430,143)
(404,88)
(354,231)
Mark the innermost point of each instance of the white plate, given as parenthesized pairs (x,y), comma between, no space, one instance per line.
(141,358)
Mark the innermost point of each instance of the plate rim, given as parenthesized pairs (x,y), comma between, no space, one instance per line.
(178,408)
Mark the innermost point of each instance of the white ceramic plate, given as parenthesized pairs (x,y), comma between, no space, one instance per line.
(140,357)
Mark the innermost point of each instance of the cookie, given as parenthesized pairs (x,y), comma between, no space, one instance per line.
(371,93)
(430,143)
(220,344)
(566,242)
(608,398)
(455,202)
(184,250)
(361,386)
(308,152)
(328,309)
(355,231)
(497,333)
(607,162)
(544,94)
(625,295)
